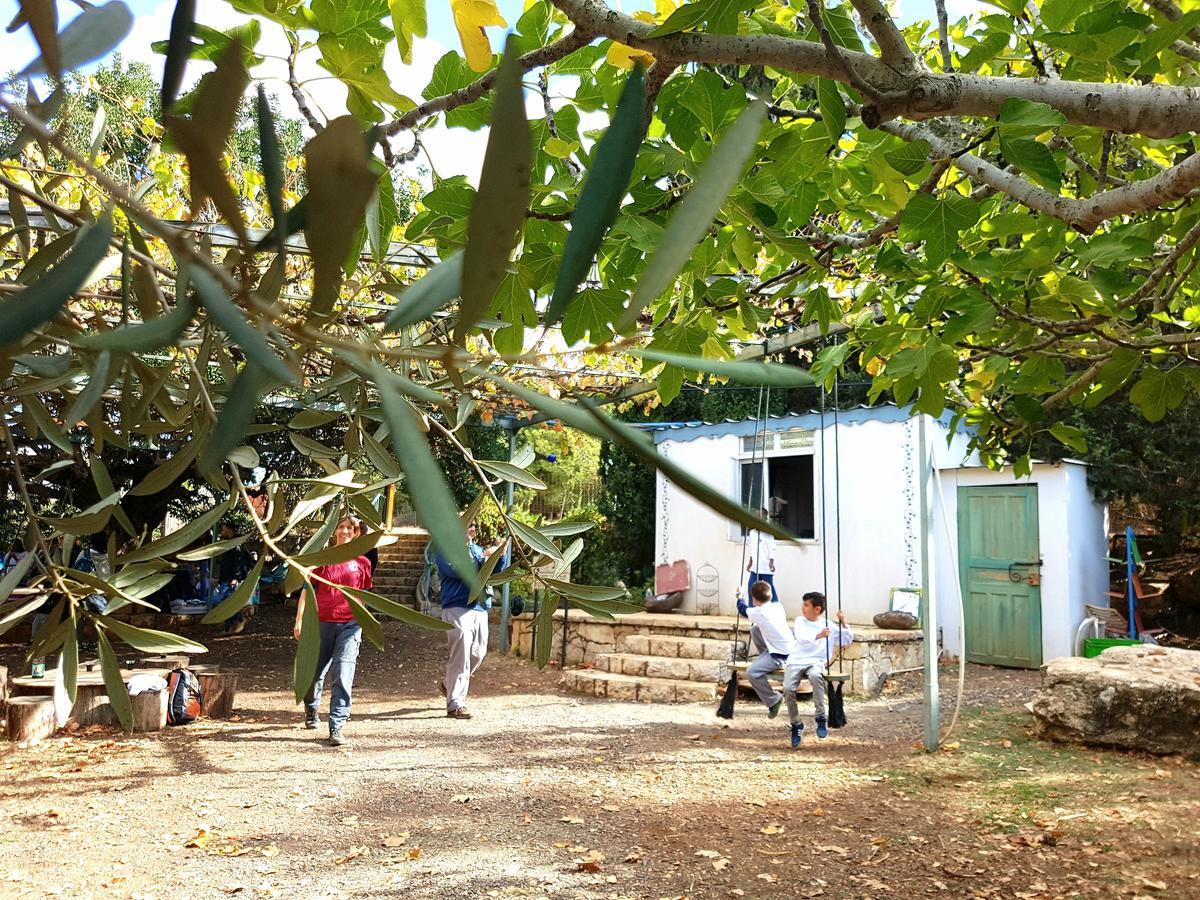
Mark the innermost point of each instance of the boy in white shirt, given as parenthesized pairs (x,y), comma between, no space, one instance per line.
(812,650)
(772,639)
(760,546)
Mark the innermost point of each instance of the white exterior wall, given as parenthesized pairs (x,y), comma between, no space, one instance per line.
(1072,537)
(879,502)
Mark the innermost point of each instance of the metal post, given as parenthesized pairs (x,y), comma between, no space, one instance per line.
(1133,632)
(391,508)
(505,606)
(928,607)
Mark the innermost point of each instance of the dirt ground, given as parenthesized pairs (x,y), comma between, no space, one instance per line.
(548,794)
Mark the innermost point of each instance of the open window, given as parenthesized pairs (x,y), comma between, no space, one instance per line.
(777,471)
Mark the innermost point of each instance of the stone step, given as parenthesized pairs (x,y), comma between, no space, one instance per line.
(704,670)
(632,687)
(384,577)
(677,647)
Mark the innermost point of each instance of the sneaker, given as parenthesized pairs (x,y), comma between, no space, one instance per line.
(312,721)
(336,739)
(460,713)
(797,734)
(773,710)
(822,727)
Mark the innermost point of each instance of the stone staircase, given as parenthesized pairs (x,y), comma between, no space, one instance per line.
(656,669)
(400,566)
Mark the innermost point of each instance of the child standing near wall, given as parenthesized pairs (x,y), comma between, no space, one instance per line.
(771,638)
(814,646)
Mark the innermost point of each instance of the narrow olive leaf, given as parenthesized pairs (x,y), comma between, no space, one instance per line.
(239,598)
(598,612)
(236,415)
(104,487)
(692,218)
(341,552)
(68,664)
(118,597)
(114,681)
(128,576)
(12,577)
(312,449)
(426,295)
(566,529)
(51,636)
(87,399)
(599,201)
(524,456)
(407,386)
(165,475)
(42,301)
(591,592)
(396,610)
(84,523)
(742,371)
(45,366)
(272,167)
(596,423)
(468,515)
(569,556)
(379,457)
(177,540)
(46,424)
(42,16)
(371,629)
(202,138)
(52,468)
(544,627)
(433,502)
(340,182)
(498,209)
(381,217)
(150,641)
(90,35)
(511,473)
(304,669)
(12,617)
(270,286)
(312,418)
(230,318)
(143,337)
(294,221)
(209,551)
(486,571)
(179,49)
(535,540)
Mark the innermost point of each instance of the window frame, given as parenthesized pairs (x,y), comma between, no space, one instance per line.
(768,447)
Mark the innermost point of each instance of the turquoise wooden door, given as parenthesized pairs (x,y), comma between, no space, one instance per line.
(1002,600)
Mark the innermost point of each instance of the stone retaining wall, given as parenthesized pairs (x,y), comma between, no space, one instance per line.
(874,653)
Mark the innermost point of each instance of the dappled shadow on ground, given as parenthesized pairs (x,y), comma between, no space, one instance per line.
(546,793)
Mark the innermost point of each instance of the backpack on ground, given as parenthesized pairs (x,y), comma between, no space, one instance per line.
(184,700)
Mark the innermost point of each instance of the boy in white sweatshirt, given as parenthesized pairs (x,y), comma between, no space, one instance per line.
(811,652)
(772,639)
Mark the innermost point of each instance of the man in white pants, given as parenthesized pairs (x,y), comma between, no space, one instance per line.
(469,638)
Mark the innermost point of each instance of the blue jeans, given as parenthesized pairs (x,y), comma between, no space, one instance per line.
(769,578)
(338,654)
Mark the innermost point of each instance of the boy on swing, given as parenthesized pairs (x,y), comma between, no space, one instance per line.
(812,650)
(771,638)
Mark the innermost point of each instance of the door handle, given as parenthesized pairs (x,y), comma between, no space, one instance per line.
(1015,577)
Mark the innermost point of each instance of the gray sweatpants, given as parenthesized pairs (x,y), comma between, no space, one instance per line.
(791,680)
(468,643)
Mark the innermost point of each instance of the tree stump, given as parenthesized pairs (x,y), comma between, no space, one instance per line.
(30,718)
(217,690)
(205,669)
(149,710)
(3,685)
(28,686)
(92,706)
(164,661)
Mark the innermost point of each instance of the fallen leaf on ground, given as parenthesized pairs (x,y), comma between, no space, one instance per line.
(693,737)
(829,848)
(198,840)
(720,864)
(414,853)
(708,854)
(395,840)
(768,877)
(355,853)
(351,821)
(571,820)
(1154,885)
(270,851)
(773,829)
(951,747)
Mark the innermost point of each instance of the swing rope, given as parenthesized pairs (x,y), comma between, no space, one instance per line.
(837,501)
(725,708)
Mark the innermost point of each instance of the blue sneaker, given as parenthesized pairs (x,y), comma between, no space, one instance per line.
(822,727)
(797,734)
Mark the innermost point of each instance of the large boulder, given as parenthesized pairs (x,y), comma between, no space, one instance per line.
(1140,698)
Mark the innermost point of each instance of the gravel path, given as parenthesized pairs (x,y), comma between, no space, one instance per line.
(542,794)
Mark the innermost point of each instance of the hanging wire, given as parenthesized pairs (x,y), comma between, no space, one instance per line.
(837,500)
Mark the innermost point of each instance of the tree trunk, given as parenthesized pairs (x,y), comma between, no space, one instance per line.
(3,686)
(30,718)
(92,706)
(217,690)
(149,711)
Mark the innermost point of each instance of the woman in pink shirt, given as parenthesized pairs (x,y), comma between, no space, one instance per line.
(340,635)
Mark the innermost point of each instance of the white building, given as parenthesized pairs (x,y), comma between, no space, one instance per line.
(857,486)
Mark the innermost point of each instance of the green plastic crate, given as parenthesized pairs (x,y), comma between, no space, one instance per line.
(1096,646)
